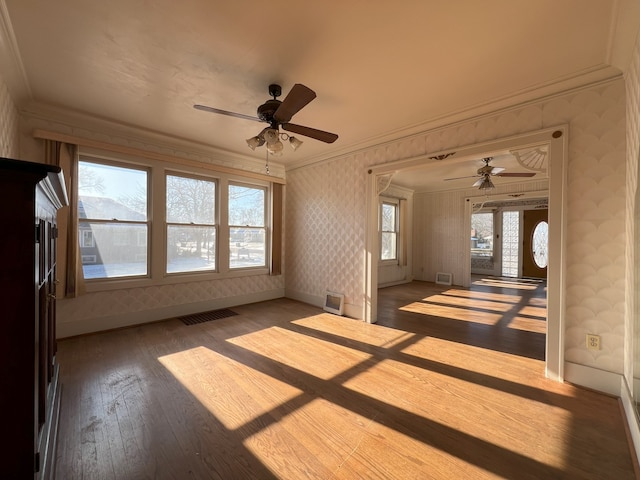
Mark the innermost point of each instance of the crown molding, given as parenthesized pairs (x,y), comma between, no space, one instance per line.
(96,132)
(590,78)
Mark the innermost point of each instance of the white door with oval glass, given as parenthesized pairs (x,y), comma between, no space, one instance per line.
(535,243)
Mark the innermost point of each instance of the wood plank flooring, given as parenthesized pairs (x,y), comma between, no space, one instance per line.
(448,385)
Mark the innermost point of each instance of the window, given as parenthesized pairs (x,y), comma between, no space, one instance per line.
(112,211)
(482,234)
(510,243)
(389,230)
(247,226)
(157,223)
(191,224)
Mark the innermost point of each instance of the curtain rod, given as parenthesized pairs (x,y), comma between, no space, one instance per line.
(85,142)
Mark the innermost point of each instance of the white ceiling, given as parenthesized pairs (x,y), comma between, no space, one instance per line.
(381,70)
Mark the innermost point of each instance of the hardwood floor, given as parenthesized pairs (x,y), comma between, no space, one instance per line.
(448,385)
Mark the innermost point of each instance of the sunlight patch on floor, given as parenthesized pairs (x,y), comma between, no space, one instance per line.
(370,334)
(535,325)
(531,311)
(207,375)
(453,313)
(320,358)
(450,354)
(504,283)
(476,294)
(339,429)
(456,406)
(454,301)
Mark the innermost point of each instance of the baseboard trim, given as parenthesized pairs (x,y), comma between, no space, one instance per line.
(350,310)
(93,325)
(593,378)
(632,425)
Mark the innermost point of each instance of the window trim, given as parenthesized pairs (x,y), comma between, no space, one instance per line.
(396,204)
(98,160)
(494,223)
(215,225)
(265,221)
(156,191)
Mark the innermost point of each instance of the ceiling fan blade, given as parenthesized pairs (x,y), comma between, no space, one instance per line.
(298,97)
(460,178)
(478,182)
(224,112)
(310,132)
(515,174)
(497,170)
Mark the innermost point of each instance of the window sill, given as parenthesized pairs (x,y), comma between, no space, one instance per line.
(93,286)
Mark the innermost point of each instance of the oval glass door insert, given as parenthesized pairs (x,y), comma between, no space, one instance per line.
(540,244)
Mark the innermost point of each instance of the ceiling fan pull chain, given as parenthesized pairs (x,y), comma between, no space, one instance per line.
(267,164)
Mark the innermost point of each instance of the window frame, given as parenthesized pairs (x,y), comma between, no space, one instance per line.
(265,225)
(114,221)
(156,251)
(494,224)
(215,225)
(396,205)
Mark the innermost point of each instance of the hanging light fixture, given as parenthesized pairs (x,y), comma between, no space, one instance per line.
(273,138)
(254,142)
(275,148)
(486,184)
(295,143)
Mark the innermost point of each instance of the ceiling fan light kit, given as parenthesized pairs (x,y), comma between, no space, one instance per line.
(273,139)
(486,184)
(277,114)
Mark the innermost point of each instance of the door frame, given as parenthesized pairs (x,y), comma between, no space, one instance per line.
(470,202)
(529,265)
(556,139)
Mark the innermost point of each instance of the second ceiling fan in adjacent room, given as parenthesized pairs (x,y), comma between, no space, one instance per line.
(485,173)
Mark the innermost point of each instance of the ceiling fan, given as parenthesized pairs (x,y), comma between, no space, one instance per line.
(277,114)
(487,171)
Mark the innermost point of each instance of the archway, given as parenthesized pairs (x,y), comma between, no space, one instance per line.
(556,141)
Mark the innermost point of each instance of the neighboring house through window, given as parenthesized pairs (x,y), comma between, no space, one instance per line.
(204,222)
(482,234)
(112,210)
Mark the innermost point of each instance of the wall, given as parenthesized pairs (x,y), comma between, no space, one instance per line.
(329,252)
(8,124)
(324,235)
(119,307)
(630,391)
(632,81)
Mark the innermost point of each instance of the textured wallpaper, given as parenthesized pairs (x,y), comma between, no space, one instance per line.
(632,363)
(131,300)
(86,312)
(325,229)
(326,250)
(8,124)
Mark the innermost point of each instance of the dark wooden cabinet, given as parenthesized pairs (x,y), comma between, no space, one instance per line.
(30,196)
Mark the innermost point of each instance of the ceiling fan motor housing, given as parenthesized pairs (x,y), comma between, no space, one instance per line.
(486,170)
(268,109)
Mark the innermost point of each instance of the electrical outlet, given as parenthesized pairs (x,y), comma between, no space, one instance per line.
(593,342)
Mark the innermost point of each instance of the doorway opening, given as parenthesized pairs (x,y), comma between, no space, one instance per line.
(555,141)
(509,238)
